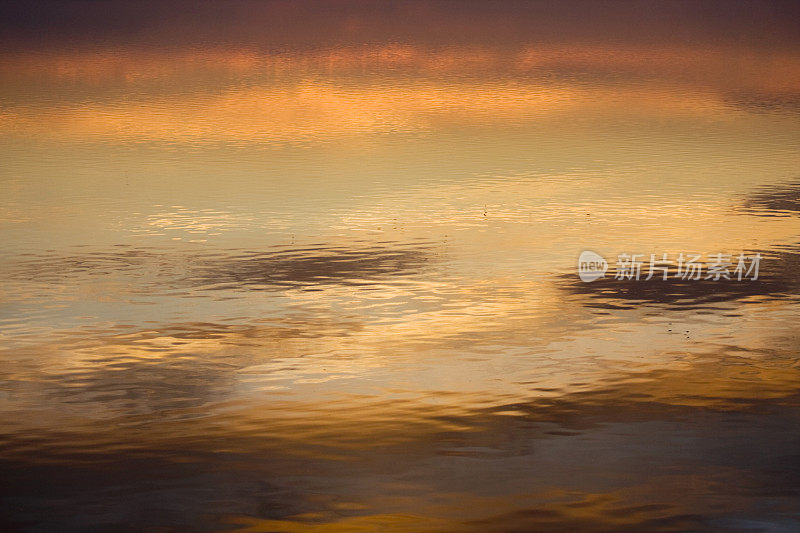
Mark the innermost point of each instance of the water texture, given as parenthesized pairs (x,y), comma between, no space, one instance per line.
(313,267)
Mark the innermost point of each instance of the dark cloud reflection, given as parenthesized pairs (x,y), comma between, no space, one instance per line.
(774,200)
(276,269)
(309,267)
(311,24)
(779,277)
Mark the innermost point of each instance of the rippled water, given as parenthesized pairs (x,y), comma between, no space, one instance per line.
(334,288)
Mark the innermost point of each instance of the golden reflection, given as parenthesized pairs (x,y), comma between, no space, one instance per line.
(319,111)
(305,97)
(334,289)
(770,70)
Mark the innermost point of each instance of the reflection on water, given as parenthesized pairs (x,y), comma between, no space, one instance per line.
(775,200)
(325,280)
(781,280)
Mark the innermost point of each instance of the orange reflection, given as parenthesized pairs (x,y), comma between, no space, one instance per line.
(240,95)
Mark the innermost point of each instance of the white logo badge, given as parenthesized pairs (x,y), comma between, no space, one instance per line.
(591,266)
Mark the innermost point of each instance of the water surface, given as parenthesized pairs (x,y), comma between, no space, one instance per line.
(326,280)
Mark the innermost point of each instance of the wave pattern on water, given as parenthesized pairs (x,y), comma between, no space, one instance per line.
(317,271)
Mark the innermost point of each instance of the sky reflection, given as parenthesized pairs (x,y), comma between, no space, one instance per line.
(297,266)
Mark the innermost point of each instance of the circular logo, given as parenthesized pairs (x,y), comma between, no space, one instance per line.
(591,266)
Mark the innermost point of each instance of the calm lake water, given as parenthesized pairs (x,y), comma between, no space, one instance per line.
(328,281)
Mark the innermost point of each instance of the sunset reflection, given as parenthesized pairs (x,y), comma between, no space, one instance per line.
(397,89)
(296,266)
